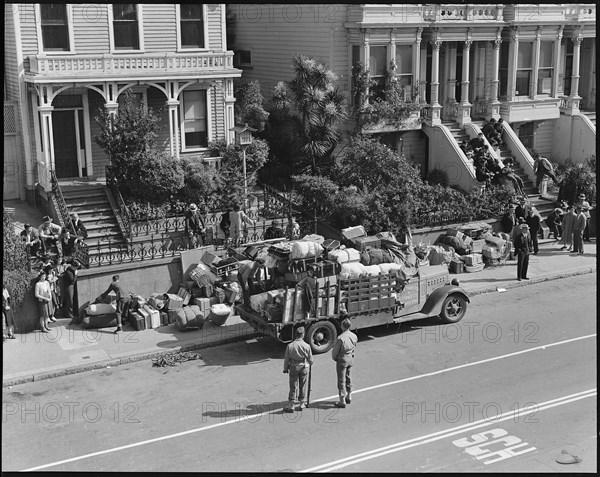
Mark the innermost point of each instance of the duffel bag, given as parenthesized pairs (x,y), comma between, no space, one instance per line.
(189,318)
(105,320)
(100,309)
(303,249)
(372,270)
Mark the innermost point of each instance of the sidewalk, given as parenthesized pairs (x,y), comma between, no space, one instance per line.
(69,349)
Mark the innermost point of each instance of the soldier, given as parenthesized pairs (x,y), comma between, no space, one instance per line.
(297,361)
(343,354)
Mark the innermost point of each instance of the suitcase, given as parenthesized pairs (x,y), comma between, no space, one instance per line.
(107,320)
(331,244)
(173,302)
(325,268)
(202,303)
(361,243)
(164,318)
(138,321)
(172,315)
(456,266)
(210,258)
(154,316)
(147,317)
(185,295)
(280,252)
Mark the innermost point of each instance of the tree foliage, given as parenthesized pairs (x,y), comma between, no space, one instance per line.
(15,277)
(578,179)
(249,105)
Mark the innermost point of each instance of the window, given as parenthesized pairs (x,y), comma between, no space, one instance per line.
(55,27)
(404,67)
(244,57)
(125,26)
(545,70)
(503,70)
(378,70)
(191,26)
(568,66)
(524,69)
(355,63)
(194,119)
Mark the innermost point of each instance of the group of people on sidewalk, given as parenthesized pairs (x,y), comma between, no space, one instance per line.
(523,223)
(298,360)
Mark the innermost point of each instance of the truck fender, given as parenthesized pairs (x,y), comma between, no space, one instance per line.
(433,305)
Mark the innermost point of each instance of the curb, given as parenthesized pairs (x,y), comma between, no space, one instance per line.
(533,281)
(28,378)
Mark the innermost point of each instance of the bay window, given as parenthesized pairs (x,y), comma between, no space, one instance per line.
(546,69)
(195,130)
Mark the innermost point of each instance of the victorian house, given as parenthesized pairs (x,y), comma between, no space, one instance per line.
(63,62)
(532,65)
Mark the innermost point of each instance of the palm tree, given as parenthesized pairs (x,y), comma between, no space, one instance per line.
(321,105)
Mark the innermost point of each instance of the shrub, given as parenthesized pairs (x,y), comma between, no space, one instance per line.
(578,179)
(15,264)
(437,176)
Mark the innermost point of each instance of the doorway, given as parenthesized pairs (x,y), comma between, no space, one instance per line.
(526,135)
(66,126)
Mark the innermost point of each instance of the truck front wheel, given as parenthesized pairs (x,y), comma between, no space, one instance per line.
(321,336)
(453,309)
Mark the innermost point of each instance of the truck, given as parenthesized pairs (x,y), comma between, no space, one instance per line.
(366,302)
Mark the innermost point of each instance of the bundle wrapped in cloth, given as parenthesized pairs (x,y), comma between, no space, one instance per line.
(343,255)
(305,249)
(352,270)
(375,256)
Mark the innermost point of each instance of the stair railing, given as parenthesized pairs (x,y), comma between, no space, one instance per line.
(122,210)
(81,250)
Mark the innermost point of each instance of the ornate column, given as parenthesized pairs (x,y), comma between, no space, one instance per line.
(513,51)
(449,111)
(417,66)
(229,110)
(556,64)
(494,104)
(464,108)
(536,63)
(173,105)
(572,102)
(435,82)
(45,109)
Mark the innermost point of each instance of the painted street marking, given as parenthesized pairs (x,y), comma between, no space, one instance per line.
(328,398)
(474,446)
(436,436)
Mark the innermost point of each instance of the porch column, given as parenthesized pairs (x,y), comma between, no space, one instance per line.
(173,127)
(513,51)
(572,102)
(392,50)
(423,77)
(536,63)
(464,108)
(417,93)
(229,111)
(556,64)
(112,107)
(493,107)
(435,82)
(47,143)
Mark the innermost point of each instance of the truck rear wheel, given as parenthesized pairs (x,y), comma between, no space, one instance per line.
(453,308)
(321,336)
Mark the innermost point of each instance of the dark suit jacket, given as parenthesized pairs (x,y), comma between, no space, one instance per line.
(69,277)
(523,245)
(193,222)
(119,290)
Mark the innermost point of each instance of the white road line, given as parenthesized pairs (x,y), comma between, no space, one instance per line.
(426,439)
(328,398)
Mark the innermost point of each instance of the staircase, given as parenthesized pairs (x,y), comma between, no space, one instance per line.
(93,207)
(543,206)
(591,115)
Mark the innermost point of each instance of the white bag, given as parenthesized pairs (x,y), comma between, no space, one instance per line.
(100,309)
(344,255)
(372,270)
(302,249)
(388,267)
(352,270)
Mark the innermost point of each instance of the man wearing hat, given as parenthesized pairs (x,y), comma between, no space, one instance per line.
(534,220)
(69,282)
(522,209)
(297,361)
(585,208)
(343,355)
(48,233)
(509,219)
(578,230)
(274,231)
(523,247)
(194,227)
(32,240)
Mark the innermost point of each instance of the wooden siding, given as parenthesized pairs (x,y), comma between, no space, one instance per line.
(160,27)
(414,147)
(29,43)
(213,24)
(304,36)
(90,28)
(217,113)
(99,158)
(543,137)
(11,68)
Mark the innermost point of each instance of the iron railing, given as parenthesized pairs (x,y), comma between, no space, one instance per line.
(122,211)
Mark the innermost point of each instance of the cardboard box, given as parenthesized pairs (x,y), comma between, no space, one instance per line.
(478,245)
(202,303)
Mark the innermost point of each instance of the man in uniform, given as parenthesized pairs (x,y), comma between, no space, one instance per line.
(343,355)
(297,361)
(523,247)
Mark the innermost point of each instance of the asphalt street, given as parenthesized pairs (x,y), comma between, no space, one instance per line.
(507,389)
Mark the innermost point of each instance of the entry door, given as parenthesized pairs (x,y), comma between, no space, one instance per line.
(526,135)
(65,143)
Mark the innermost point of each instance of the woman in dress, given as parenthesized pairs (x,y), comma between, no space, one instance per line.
(44,297)
(568,224)
(7,314)
(52,279)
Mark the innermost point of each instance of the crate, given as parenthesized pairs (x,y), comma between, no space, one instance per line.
(210,258)
(325,268)
(295,277)
(456,266)
(361,243)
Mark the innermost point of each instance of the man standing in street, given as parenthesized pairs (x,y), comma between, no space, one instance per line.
(578,230)
(534,220)
(585,208)
(343,355)
(123,300)
(297,361)
(523,247)
(69,281)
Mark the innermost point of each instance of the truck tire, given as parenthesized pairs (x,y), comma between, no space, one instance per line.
(453,308)
(321,336)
